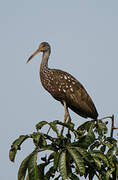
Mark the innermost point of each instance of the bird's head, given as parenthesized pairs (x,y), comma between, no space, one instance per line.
(43,47)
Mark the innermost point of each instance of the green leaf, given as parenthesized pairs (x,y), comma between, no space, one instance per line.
(90,129)
(102,129)
(73,177)
(50,173)
(110,154)
(23,167)
(97,162)
(36,138)
(40,125)
(62,165)
(86,126)
(51,156)
(41,168)
(87,140)
(77,159)
(117,151)
(27,178)
(32,167)
(103,148)
(12,154)
(54,128)
(112,141)
(16,146)
(70,125)
(85,155)
(95,144)
(99,155)
(67,125)
(56,160)
(117,169)
(109,173)
(39,139)
(108,144)
(48,147)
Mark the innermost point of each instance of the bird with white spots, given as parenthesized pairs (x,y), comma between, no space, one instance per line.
(64,87)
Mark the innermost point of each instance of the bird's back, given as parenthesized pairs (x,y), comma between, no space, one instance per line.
(63,86)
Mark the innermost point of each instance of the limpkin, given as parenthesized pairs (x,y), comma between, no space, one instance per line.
(64,87)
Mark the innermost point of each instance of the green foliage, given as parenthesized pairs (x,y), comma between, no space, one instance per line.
(62,165)
(86,151)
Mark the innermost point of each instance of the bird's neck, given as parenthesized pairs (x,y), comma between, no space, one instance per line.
(45,57)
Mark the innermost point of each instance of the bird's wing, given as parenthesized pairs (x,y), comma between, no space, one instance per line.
(80,102)
(74,94)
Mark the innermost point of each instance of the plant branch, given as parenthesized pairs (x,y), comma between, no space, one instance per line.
(106,117)
(112,125)
(49,137)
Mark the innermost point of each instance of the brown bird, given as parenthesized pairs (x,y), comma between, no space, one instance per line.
(64,87)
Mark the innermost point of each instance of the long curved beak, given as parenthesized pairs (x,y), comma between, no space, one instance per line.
(36,52)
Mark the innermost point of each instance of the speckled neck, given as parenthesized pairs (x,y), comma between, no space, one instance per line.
(45,57)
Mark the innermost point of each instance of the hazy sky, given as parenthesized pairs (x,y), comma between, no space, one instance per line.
(84,41)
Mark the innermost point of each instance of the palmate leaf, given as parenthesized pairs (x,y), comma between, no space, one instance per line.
(112,141)
(55,157)
(97,162)
(39,139)
(95,144)
(86,140)
(12,154)
(85,155)
(23,167)
(117,169)
(32,167)
(62,165)
(86,126)
(51,156)
(16,146)
(41,168)
(73,177)
(103,148)
(109,173)
(36,136)
(77,159)
(69,125)
(56,160)
(54,128)
(51,124)
(40,125)
(117,151)
(99,155)
(101,129)
(110,156)
(50,173)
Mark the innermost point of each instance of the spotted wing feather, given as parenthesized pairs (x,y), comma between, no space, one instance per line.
(67,88)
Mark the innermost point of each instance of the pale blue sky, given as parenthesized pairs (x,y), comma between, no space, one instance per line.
(84,39)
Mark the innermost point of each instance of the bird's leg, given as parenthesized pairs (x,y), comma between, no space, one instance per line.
(69,118)
(66,115)
(69,121)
